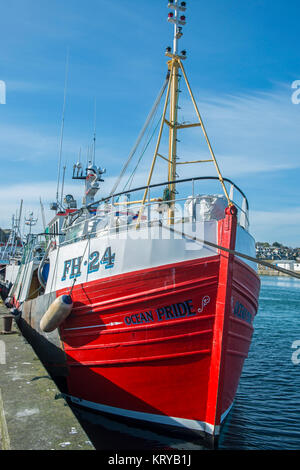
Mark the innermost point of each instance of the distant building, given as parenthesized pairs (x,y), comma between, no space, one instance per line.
(270,252)
(288,264)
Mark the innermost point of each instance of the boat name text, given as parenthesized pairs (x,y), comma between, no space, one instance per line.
(242,313)
(72,267)
(168,312)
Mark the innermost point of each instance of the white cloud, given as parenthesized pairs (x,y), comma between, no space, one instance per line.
(30,193)
(254,132)
(28,142)
(30,87)
(282,226)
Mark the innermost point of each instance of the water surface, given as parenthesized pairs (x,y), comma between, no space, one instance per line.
(266,412)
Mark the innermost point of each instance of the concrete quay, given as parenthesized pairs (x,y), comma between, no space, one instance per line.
(33,413)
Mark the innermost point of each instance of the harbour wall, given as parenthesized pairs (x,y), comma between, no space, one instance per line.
(265,271)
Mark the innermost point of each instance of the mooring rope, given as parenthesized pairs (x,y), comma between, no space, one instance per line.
(234,252)
(80,264)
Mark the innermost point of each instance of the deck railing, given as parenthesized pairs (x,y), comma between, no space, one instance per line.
(125,211)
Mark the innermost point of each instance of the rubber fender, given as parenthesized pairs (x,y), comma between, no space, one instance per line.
(58,311)
(8,303)
(15,312)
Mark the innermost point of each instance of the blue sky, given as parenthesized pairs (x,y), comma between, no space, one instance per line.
(242,59)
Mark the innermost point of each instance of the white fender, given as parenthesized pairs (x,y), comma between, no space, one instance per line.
(58,311)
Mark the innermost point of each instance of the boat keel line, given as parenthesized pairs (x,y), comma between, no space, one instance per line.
(190,424)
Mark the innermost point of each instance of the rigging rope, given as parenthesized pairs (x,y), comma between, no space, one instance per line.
(80,264)
(155,106)
(234,252)
(130,179)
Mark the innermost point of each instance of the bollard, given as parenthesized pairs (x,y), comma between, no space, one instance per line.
(7,319)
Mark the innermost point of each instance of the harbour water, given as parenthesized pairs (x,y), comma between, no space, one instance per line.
(265,415)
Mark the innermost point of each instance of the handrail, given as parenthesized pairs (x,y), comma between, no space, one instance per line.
(111,200)
(118,228)
(186,180)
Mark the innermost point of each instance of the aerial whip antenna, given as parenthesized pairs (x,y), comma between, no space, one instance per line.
(43,215)
(62,185)
(95,117)
(141,135)
(62,126)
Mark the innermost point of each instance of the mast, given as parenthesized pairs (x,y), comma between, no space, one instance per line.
(175,67)
(62,128)
(10,248)
(43,215)
(17,228)
(30,221)
(178,20)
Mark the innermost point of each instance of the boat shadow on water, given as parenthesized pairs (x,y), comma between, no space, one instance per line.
(116,433)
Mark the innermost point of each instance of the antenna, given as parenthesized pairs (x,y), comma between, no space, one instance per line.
(16,229)
(10,247)
(87,156)
(19,221)
(63,184)
(43,215)
(62,125)
(174,67)
(31,221)
(95,114)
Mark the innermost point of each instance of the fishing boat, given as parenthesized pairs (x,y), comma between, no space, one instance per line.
(143,305)
(10,255)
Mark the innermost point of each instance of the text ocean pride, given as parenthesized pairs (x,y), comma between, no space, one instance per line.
(169,312)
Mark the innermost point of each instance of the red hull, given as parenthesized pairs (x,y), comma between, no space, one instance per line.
(167,344)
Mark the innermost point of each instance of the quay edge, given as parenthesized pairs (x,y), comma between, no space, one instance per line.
(33,414)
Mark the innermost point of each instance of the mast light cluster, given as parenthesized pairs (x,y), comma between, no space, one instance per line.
(180,20)
(175,17)
(174,4)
